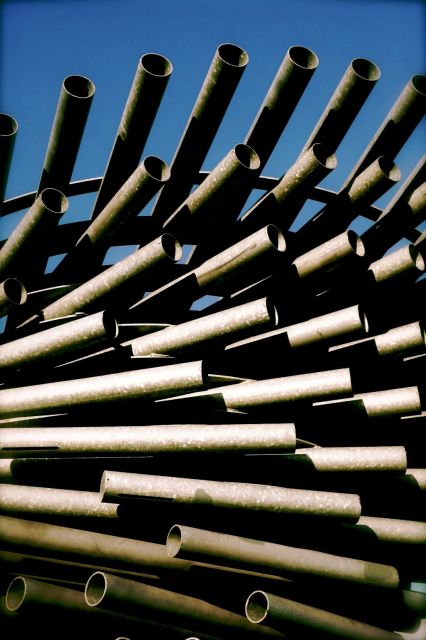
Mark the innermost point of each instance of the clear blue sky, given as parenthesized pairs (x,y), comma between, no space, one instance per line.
(43,41)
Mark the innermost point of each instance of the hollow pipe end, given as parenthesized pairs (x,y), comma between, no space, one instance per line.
(356,243)
(8,125)
(54,200)
(247,156)
(156,168)
(156,65)
(174,541)
(323,156)
(79,87)
(15,291)
(365,69)
(15,594)
(303,57)
(257,606)
(232,55)
(95,589)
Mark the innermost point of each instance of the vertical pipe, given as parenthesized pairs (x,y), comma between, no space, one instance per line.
(8,131)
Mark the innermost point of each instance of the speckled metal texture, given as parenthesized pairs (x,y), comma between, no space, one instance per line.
(116,485)
(356,459)
(394,530)
(346,248)
(405,263)
(380,404)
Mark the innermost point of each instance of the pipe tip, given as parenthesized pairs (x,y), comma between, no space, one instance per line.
(79,87)
(156,168)
(171,247)
(303,57)
(54,200)
(389,168)
(156,65)
(419,83)
(15,291)
(247,156)
(110,324)
(8,125)
(322,155)
(15,594)
(365,69)
(257,606)
(174,541)
(356,243)
(233,55)
(95,589)
(276,237)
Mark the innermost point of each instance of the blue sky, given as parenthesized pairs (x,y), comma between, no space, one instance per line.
(43,41)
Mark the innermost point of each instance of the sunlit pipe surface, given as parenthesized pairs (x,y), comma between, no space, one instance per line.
(407,263)
(24,592)
(117,485)
(149,83)
(68,126)
(8,131)
(379,404)
(12,294)
(345,249)
(210,546)
(114,387)
(219,85)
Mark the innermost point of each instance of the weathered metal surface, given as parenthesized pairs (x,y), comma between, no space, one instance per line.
(12,293)
(8,131)
(406,263)
(343,250)
(379,404)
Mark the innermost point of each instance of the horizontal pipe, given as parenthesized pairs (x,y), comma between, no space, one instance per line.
(116,285)
(147,601)
(46,501)
(287,87)
(39,221)
(299,619)
(67,131)
(220,326)
(58,341)
(200,209)
(342,250)
(354,459)
(378,404)
(117,485)
(24,593)
(12,294)
(128,441)
(393,530)
(349,96)
(147,384)
(406,263)
(219,85)
(8,132)
(396,128)
(281,204)
(149,83)
(210,546)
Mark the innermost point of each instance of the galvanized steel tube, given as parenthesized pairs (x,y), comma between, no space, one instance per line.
(8,131)
(344,249)
(401,340)
(344,105)
(218,87)
(116,285)
(149,83)
(12,294)
(116,486)
(354,459)
(380,404)
(67,131)
(58,341)
(220,326)
(146,384)
(298,619)
(24,593)
(327,327)
(40,219)
(294,562)
(406,263)
(393,530)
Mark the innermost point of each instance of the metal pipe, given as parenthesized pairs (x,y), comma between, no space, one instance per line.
(396,128)
(149,83)
(146,384)
(281,204)
(287,87)
(299,619)
(393,530)
(349,96)
(218,327)
(377,404)
(116,485)
(241,164)
(8,131)
(343,250)
(12,294)
(46,501)
(39,220)
(129,441)
(406,263)
(116,285)
(353,459)
(58,341)
(67,131)
(292,562)
(219,85)
(24,593)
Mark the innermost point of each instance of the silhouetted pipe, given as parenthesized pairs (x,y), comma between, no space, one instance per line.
(282,203)
(67,131)
(116,486)
(145,384)
(287,87)
(299,619)
(349,96)
(128,441)
(12,294)
(8,131)
(39,221)
(115,287)
(58,341)
(230,550)
(220,326)
(149,83)
(210,106)
(396,128)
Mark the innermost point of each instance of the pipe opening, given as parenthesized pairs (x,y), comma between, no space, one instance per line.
(363,319)
(174,541)
(419,83)
(171,247)
(303,57)
(233,55)
(356,243)
(272,311)
(8,125)
(389,168)
(156,64)
(110,324)
(329,161)
(16,593)
(416,257)
(54,200)
(95,590)
(247,156)
(257,606)
(276,237)
(79,86)
(365,69)
(15,291)
(156,168)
